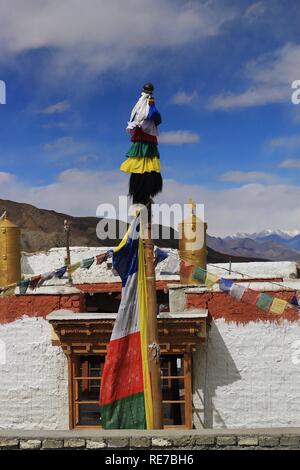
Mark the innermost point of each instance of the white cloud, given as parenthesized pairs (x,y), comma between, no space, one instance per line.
(182,98)
(6,177)
(65,146)
(289,142)
(256,11)
(56,108)
(178,137)
(290,163)
(101,34)
(245,176)
(249,208)
(270,78)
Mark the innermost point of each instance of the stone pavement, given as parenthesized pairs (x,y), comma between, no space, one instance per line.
(270,438)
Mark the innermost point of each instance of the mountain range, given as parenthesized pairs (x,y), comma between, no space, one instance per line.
(42,229)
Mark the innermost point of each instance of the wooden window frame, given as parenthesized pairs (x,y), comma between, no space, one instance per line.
(74,404)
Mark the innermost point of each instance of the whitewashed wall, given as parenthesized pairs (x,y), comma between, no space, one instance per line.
(34,378)
(245,376)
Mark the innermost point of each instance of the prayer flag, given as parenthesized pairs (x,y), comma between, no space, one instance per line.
(264,301)
(125,395)
(278,306)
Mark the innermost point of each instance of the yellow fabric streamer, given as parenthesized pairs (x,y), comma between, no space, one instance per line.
(140,165)
(278,306)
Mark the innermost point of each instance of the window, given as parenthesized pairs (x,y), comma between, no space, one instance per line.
(86,389)
(173,389)
(85,379)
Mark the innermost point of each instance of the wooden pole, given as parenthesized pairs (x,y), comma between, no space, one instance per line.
(154,351)
(67,229)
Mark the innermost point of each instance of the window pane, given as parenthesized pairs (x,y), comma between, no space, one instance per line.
(88,390)
(171,364)
(89,414)
(173,389)
(173,414)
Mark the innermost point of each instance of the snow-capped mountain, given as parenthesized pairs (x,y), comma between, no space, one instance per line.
(283,234)
(277,244)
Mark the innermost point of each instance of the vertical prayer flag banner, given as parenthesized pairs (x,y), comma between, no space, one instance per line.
(125,395)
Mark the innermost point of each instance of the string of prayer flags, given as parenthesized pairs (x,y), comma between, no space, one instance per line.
(87,263)
(38,280)
(265,302)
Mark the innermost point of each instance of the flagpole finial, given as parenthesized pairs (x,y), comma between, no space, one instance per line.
(148,88)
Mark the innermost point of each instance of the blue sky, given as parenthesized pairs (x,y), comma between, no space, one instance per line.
(222,70)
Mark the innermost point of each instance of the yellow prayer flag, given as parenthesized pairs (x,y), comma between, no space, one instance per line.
(211,279)
(278,306)
(73,267)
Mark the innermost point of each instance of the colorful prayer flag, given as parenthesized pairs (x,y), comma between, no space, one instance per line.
(60,272)
(250,296)
(87,263)
(23,286)
(211,280)
(125,395)
(237,291)
(172,266)
(160,255)
(278,306)
(9,290)
(33,282)
(264,301)
(225,284)
(102,257)
(73,267)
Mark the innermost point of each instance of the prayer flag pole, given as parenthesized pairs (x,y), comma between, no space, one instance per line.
(153,344)
(143,165)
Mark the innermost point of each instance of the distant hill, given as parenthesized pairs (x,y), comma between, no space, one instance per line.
(43,229)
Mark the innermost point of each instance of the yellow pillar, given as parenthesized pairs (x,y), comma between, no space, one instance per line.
(10,252)
(192,245)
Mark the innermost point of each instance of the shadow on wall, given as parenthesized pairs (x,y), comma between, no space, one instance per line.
(213,367)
